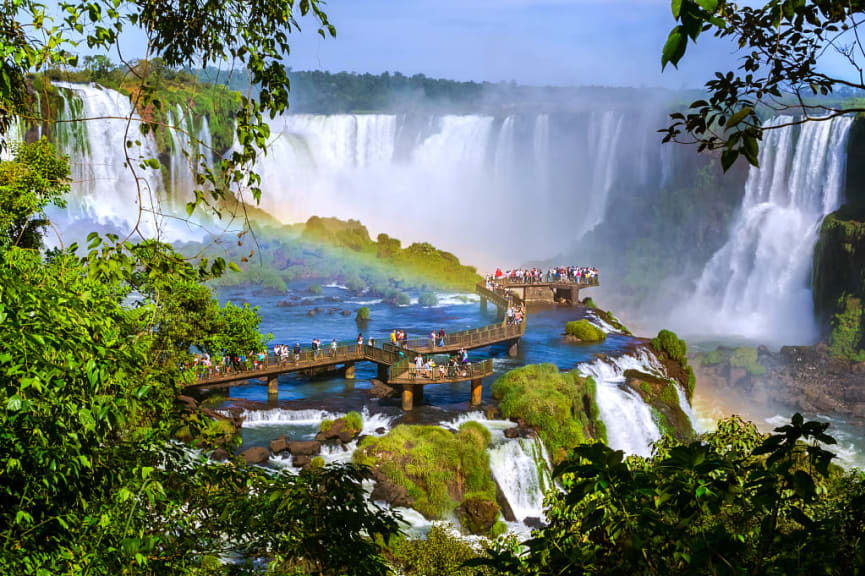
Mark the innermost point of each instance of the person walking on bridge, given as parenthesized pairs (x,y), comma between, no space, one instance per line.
(333,348)
(296,352)
(359,343)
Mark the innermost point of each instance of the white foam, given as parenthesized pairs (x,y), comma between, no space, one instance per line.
(282,417)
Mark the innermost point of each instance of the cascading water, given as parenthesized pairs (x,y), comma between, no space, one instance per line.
(522,470)
(105,189)
(628,420)
(605,131)
(757,285)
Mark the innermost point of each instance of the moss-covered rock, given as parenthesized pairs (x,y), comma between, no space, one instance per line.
(437,469)
(342,430)
(673,354)
(362,314)
(584,331)
(661,395)
(428,299)
(839,278)
(559,405)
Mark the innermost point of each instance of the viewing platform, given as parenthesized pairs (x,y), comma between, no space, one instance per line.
(531,292)
(396,361)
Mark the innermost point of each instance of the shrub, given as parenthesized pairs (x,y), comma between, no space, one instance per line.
(354,283)
(353,421)
(670,344)
(585,331)
(553,402)
(589,302)
(403,299)
(428,299)
(362,314)
(317,462)
(440,553)
(314,289)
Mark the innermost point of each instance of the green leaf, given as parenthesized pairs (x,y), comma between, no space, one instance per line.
(674,49)
(13,404)
(738,116)
(728,157)
(676,5)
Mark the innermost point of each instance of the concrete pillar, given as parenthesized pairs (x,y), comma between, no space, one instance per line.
(483,305)
(513,347)
(407,397)
(349,370)
(477,391)
(382,372)
(418,394)
(273,387)
(575,295)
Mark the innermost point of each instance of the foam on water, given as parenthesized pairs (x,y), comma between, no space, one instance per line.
(282,417)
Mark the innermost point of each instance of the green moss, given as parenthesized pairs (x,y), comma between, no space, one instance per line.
(670,344)
(713,358)
(847,339)
(326,425)
(746,357)
(561,405)
(589,302)
(438,468)
(353,421)
(362,314)
(314,289)
(498,529)
(428,299)
(317,462)
(585,331)
(441,553)
(403,299)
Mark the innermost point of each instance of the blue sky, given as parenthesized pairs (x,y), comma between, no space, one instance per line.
(541,42)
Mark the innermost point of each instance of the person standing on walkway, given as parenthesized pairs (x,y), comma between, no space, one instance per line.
(432,339)
(296,352)
(333,348)
(359,343)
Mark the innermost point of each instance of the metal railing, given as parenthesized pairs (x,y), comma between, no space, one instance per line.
(459,372)
(545,281)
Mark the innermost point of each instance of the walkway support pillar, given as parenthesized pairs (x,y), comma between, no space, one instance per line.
(513,347)
(382,372)
(575,295)
(273,387)
(407,397)
(418,394)
(349,370)
(477,391)
(483,305)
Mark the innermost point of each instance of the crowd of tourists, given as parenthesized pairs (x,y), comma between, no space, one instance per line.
(457,366)
(515,315)
(578,274)
(205,366)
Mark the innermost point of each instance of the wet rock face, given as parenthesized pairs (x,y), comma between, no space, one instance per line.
(807,379)
(219,455)
(477,515)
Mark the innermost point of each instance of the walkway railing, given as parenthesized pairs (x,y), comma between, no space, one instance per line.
(408,373)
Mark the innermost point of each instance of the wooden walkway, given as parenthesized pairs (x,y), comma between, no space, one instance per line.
(395,363)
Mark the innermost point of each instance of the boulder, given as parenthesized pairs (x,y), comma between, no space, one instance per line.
(285,304)
(304,448)
(346,312)
(492,413)
(312,313)
(533,522)
(279,444)
(478,515)
(347,436)
(219,455)
(382,389)
(256,455)
(336,428)
(300,461)
(381,431)
(512,432)
(387,491)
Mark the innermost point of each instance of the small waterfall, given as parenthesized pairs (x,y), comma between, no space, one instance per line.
(757,285)
(522,469)
(282,417)
(629,422)
(182,181)
(605,130)
(503,163)
(205,143)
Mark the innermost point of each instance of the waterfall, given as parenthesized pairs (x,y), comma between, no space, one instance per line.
(104,188)
(205,144)
(629,421)
(522,470)
(758,284)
